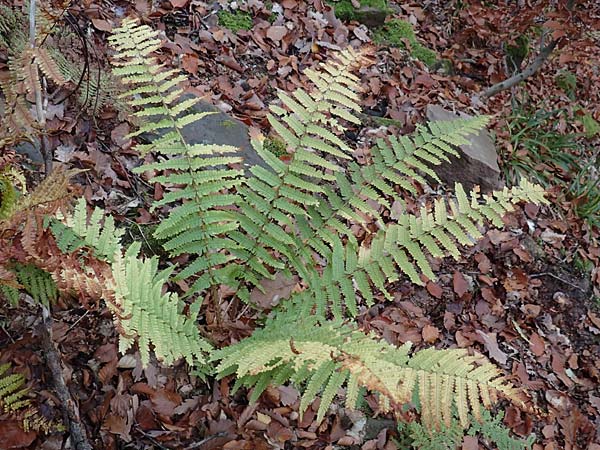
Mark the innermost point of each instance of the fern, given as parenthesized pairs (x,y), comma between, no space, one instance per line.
(446,438)
(292,218)
(37,283)
(325,354)
(491,428)
(195,226)
(14,400)
(133,289)
(78,231)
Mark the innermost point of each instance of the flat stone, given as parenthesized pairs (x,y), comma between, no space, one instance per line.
(478,164)
(31,150)
(219,128)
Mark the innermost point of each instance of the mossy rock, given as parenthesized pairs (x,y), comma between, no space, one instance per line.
(372,13)
(235,21)
(394,33)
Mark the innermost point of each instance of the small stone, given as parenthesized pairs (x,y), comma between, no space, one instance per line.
(478,164)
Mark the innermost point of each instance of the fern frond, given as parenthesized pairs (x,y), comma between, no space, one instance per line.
(193,226)
(328,353)
(438,232)
(37,283)
(14,400)
(78,231)
(408,158)
(152,317)
(492,429)
(132,288)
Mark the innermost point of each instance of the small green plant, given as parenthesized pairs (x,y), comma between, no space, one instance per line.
(590,125)
(235,21)
(414,435)
(516,54)
(535,142)
(585,192)
(15,401)
(553,158)
(275,146)
(396,32)
(567,81)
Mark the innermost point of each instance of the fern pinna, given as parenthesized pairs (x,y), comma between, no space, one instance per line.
(293,218)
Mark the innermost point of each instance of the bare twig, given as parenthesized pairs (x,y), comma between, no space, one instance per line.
(70,411)
(556,277)
(39,104)
(532,68)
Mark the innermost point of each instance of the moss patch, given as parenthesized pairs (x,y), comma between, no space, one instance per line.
(592,128)
(275,146)
(567,81)
(516,54)
(235,21)
(345,11)
(393,33)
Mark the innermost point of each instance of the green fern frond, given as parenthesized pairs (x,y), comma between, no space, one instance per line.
(13,392)
(198,224)
(151,317)
(37,283)
(439,231)
(142,312)
(14,400)
(446,438)
(329,353)
(492,429)
(97,232)
(407,158)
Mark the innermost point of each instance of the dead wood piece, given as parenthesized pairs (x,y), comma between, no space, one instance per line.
(53,361)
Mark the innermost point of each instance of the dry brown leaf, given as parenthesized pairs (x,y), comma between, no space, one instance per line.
(491,345)
(276,32)
(459,284)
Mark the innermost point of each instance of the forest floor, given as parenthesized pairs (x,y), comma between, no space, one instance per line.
(527,297)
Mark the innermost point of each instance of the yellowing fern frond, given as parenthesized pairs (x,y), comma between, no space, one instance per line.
(327,354)
(132,288)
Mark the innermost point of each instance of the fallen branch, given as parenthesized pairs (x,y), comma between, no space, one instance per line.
(529,70)
(70,411)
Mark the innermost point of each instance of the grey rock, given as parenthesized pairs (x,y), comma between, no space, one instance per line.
(371,17)
(219,128)
(478,164)
(31,150)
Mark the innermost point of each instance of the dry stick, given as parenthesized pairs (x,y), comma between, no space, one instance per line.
(39,105)
(529,70)
(53,361)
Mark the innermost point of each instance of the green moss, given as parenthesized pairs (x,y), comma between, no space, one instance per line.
(8,196)
(395,31)
(346,12)
(275,146)
(592,128)
(424,54)
(235,21)
(567,81)
(516,54)
(228,123)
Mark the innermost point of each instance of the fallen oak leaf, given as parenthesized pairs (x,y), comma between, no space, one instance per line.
(491,345)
